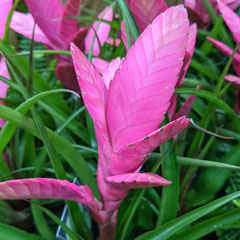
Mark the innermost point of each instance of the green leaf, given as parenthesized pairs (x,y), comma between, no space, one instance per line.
(69,232)
(199,194)
(203,69)
(169,229)
(8,232)
(41,223)
(207,46)
(170,194)
(43,52)
(205,163)
(55,106)
(48,144)
(8,130)
(210,225)
(210,96)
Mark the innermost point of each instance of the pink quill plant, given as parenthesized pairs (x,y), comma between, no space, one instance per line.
(55,29)
(5,7)
(198,13)
(127,106)
(233,22)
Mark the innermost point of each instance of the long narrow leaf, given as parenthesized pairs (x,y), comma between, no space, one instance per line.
(210,225)
(199,195)
(8,232)
(172,227)
(170,194)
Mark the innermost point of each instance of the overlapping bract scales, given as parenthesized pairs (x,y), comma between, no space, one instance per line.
(126,117)
(186,62)
(131,157)
(107,69)
(47,188)
(137,180)
(136,108)
(43,188)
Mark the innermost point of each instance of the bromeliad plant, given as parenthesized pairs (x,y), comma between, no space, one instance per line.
(127,99)
(126,112)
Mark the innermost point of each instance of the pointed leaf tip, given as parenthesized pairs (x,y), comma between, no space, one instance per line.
(137,180)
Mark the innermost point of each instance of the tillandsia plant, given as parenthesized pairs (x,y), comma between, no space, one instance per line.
(56,28)
(126,128)
(122,140)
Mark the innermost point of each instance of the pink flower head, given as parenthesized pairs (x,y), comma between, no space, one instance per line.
(128,110)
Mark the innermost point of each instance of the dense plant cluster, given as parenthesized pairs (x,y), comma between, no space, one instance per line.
(128,113)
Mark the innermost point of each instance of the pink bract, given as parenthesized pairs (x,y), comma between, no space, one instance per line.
(126,129)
